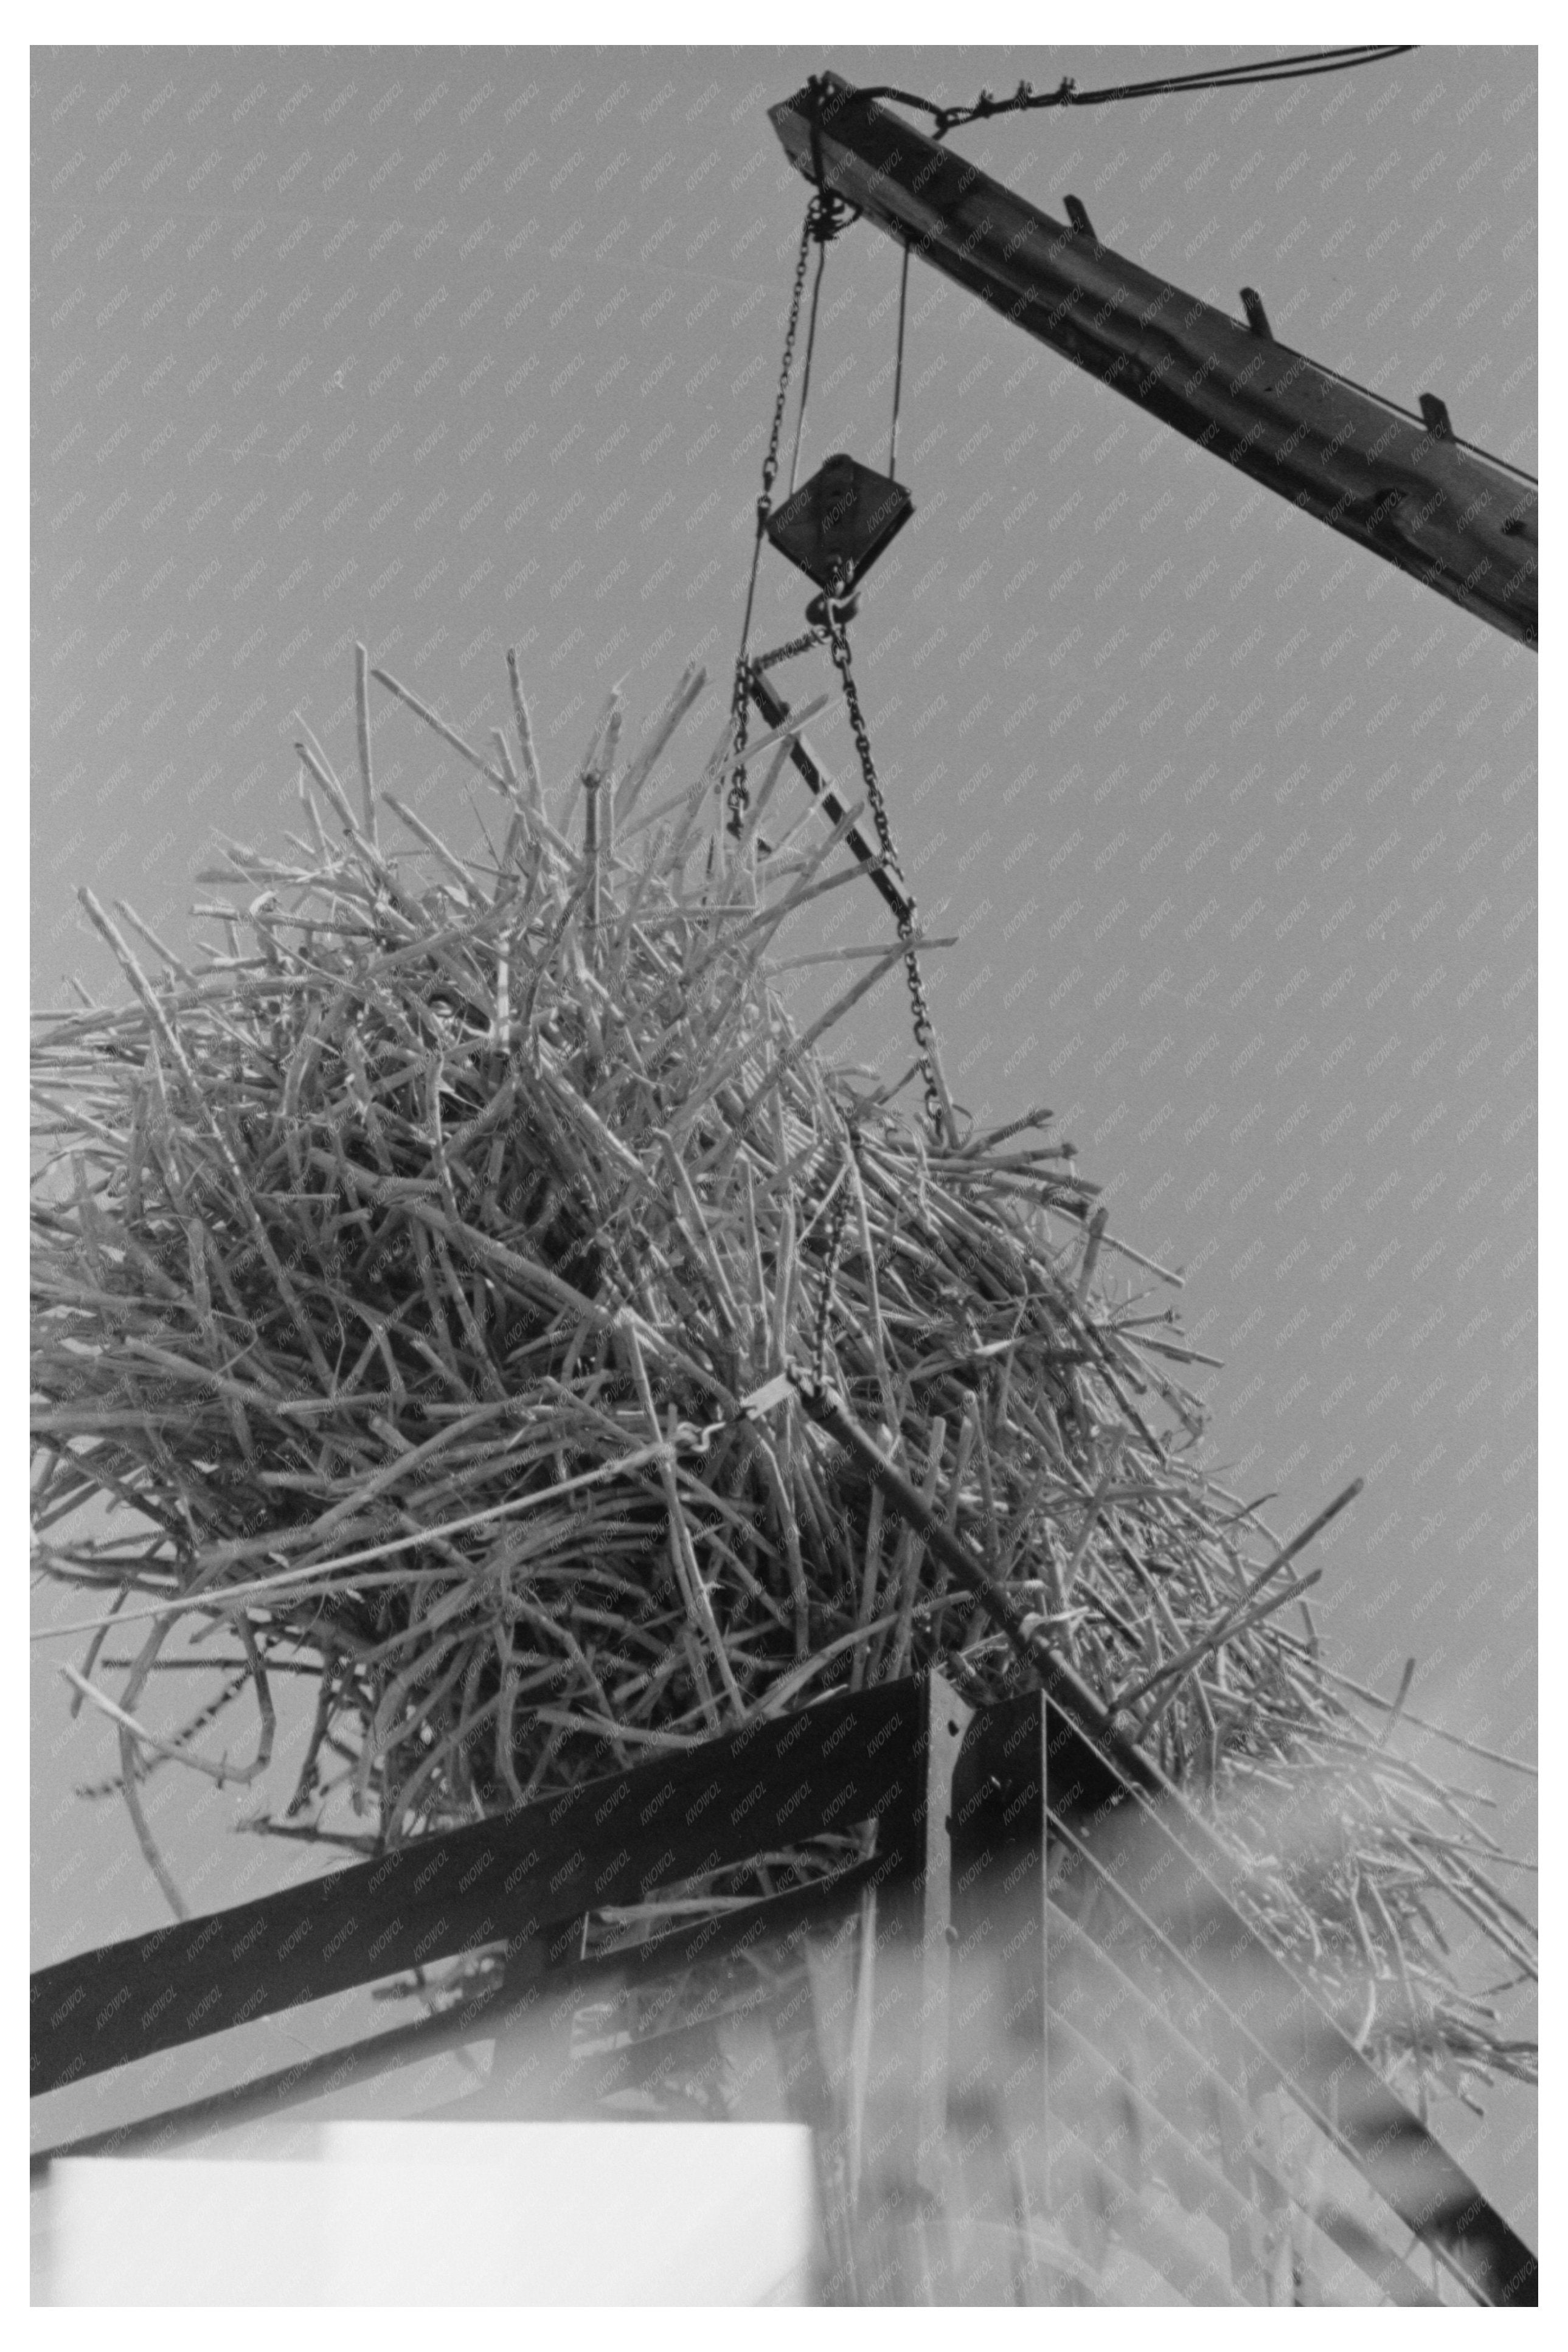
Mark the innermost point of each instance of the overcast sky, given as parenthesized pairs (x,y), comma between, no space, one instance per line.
(449,352)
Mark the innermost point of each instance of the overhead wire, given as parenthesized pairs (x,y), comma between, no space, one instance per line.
(1244,75)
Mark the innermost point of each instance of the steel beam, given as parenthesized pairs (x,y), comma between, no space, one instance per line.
(1402,486)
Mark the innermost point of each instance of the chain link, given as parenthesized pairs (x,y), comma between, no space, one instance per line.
(920,1010)
(739,706)
(786,653)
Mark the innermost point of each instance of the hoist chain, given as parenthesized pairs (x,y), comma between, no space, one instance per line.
(924,1036)
(827,616)
(739,706)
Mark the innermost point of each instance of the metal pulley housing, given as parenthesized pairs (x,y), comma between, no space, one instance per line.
(836,525)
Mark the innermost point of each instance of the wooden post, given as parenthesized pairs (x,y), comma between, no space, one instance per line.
(890,2058)
(998,2189)
(947,1720)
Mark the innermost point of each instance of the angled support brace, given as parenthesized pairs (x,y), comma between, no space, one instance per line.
(776,710)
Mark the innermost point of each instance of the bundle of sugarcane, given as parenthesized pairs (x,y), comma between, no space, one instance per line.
(401,1266)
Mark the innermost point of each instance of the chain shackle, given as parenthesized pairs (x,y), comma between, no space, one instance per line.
(739,708)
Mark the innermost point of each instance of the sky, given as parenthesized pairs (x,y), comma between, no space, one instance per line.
(450,351)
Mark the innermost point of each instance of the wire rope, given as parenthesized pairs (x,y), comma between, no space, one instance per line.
(899,363)
(1242,76)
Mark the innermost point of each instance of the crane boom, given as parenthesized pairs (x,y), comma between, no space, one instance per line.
(1400,485)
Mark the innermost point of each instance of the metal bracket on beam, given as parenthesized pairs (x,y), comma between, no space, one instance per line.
(1434,416)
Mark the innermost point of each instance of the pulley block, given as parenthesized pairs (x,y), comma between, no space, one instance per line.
(838,523)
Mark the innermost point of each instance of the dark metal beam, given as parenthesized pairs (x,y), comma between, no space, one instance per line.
(503,2005)
(611,1841)
(1403,486)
